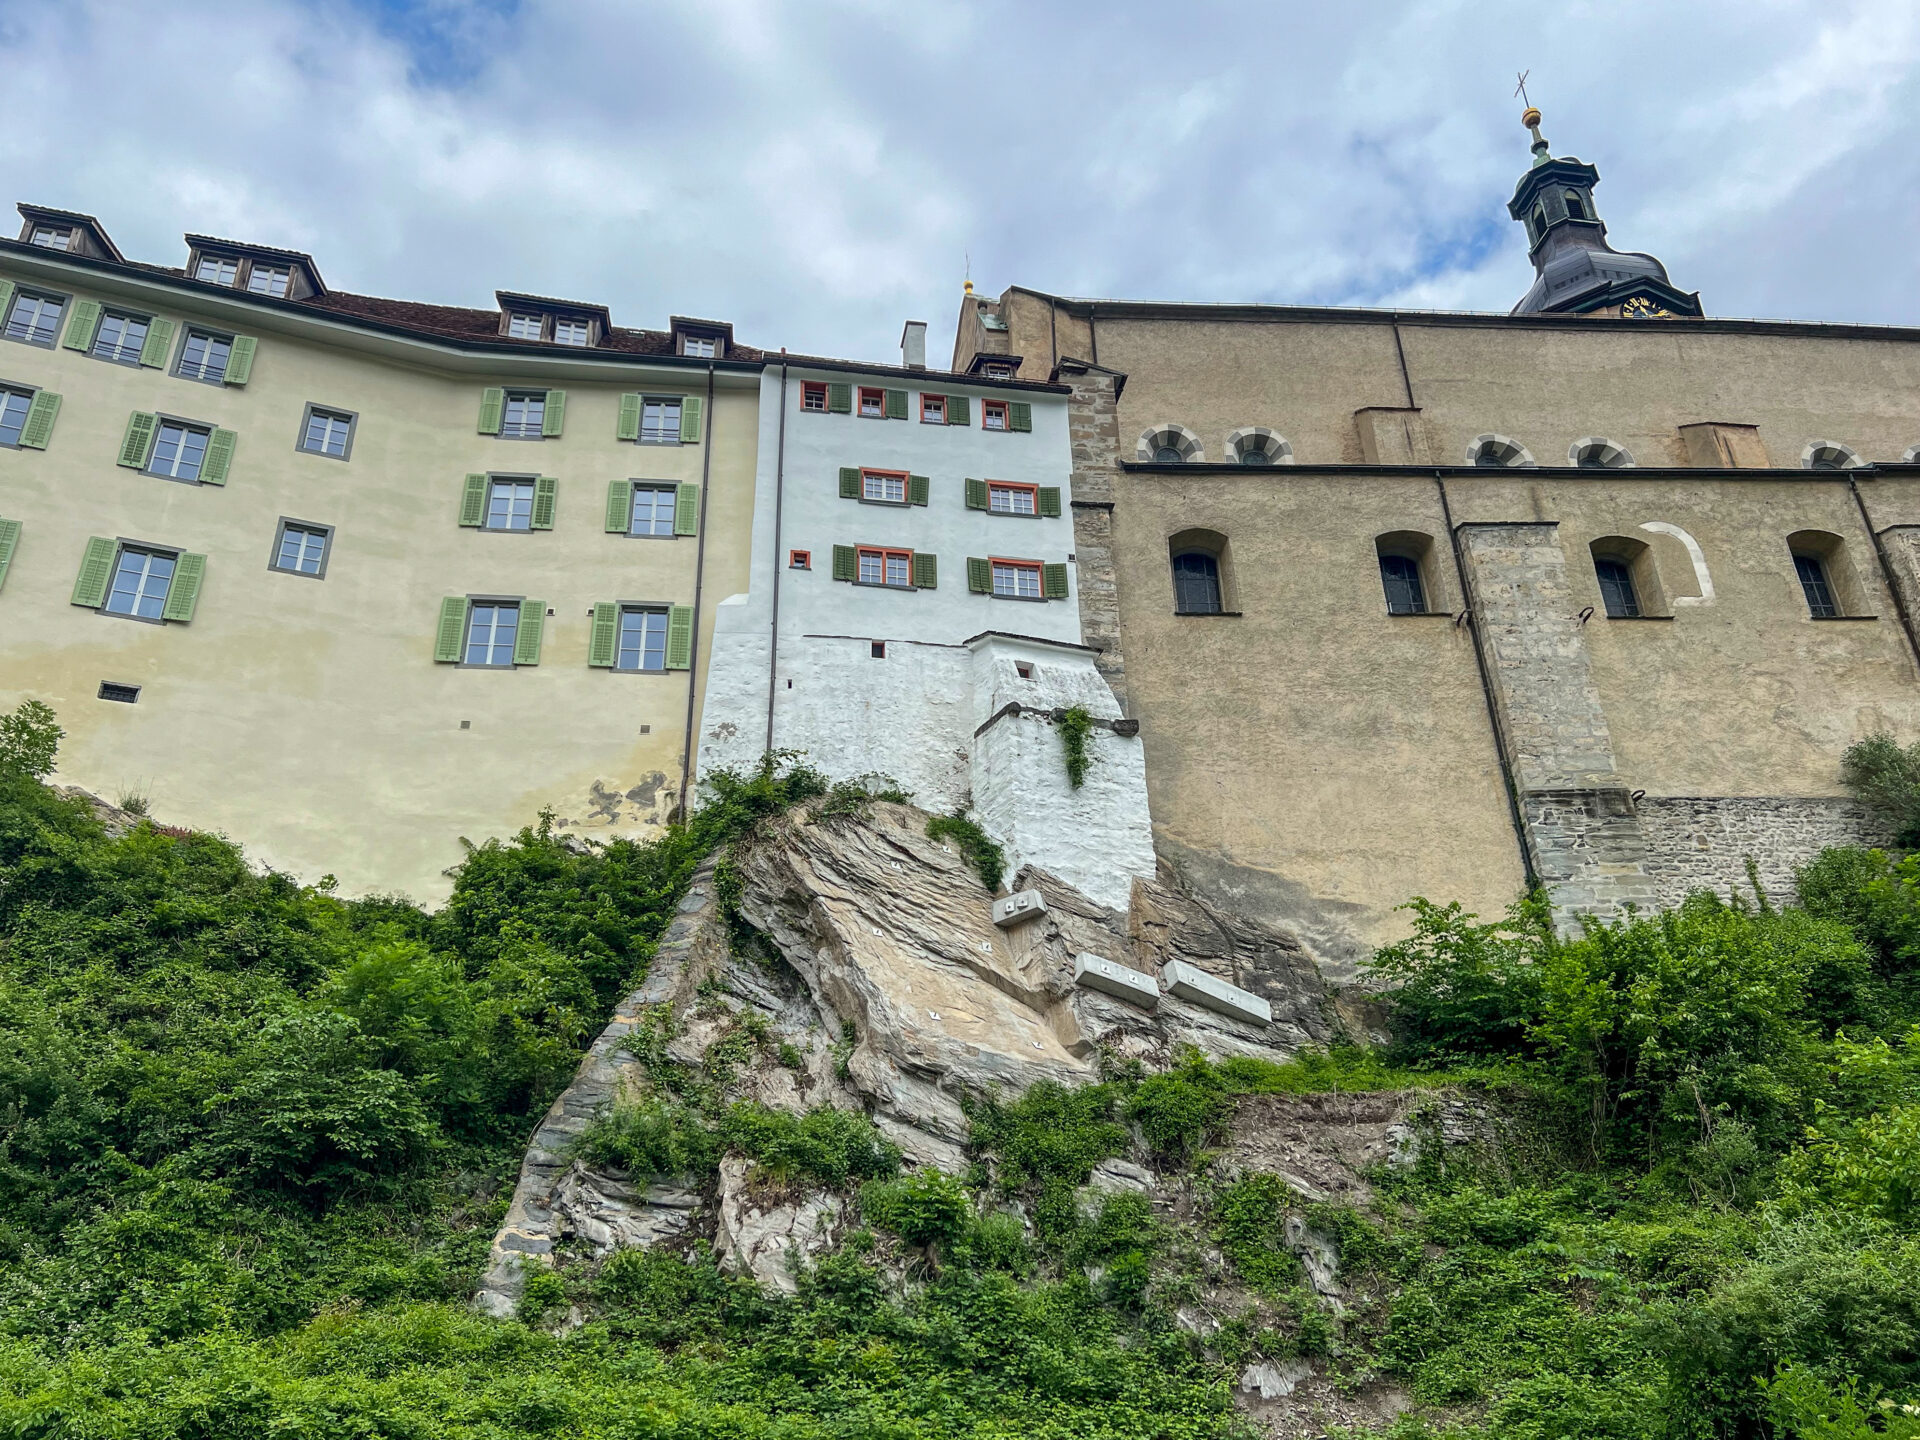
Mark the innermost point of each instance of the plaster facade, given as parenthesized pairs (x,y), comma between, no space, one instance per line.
(306,716)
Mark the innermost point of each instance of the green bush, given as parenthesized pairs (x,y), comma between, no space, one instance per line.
(1182,1109)
(926,1208)
(976,847)
(1886,777)
(1249,1221)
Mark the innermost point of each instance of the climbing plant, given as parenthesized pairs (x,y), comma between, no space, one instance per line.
(1075,725)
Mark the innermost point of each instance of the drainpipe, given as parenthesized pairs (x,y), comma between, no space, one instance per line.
(779,497)
(1886,569)
(1486,689)
(699,580)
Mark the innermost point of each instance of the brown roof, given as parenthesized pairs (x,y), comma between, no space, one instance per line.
(457,322)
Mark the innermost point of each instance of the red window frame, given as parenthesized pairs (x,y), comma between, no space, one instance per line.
(811,391)
(992,409)
(906,486)
(927,400)
(886,553)
(1033,490)
(799,559)
(1039,579)
(879,398)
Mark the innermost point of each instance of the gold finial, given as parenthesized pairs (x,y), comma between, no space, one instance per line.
(1529,118)
(968,287)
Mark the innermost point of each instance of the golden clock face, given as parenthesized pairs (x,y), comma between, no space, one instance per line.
(1641,308)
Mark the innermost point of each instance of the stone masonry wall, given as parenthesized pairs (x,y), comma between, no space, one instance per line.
(1093,431)
(1701,842)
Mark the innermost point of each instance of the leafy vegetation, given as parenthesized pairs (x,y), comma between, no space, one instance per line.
(976,847)
(254,1141)
(1075,725)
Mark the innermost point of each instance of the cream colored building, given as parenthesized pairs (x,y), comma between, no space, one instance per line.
(350,579)
(1318,757)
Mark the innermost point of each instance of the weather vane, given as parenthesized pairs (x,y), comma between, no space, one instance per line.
(1521,88)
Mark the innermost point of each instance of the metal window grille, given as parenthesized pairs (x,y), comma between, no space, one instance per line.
(652,510)
(1401,577)
(178,451)
(490,633)
(125,694)
(204,357)
(660,422)
(510,505)
(140,583)
(1616,589)
(35,318)
(1813,582)
(1196,584)
(13,415)
(526,413)
(643,640)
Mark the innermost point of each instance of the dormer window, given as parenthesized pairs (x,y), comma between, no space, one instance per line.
(52,237)
(700,339)
(524,327)
(217,270)
(269,280)
(700,347)
(997,372)
(572,332)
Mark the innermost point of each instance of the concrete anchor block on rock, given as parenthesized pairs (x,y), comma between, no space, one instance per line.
(1018,908)
(1096,972)
(1190,982)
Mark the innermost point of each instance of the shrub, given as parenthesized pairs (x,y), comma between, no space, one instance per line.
(29,740)
(1886,778)
(1461,989)
(927,1208)
(1182,1109)
(1249,1221)
(976,847)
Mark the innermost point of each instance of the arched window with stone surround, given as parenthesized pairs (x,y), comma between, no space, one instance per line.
(1169,444)
(1596,452)
(1499,452)
(1829,455)
(1202,573)
(1257,445)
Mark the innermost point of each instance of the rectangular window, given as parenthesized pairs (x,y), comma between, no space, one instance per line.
(302,548)
(883,485)
(524,327)
(178,450)
(886,567)
(1007,499)
(997,372)
(993,414)
(14,405)
(327,432)
(35,318)
(652,510)
(933,409)
(1016,579)
(491,628)
(873,403)
(643,640)
(813,396)
(120,337)
(52,237)
(1813,584)
(570,332)
(660,420)
(269,280)
(220,272)
(205,356)
(701,347)
(526,414)
(140,582)
(799,559)
(510,505)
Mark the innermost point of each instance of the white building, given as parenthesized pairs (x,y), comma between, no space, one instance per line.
(912,578)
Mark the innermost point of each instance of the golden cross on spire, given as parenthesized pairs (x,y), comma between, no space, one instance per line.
(1521,88)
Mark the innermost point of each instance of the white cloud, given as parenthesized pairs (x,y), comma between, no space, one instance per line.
(816,173)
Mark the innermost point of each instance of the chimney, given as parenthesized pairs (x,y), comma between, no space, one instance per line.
(913,345)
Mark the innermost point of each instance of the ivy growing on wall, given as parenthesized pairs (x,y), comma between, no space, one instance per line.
(1074,726)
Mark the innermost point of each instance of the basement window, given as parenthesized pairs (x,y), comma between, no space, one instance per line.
(124,694)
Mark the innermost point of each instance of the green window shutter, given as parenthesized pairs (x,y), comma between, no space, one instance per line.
(153,354)
(629,428)
(690,420)
(849,482)
(1050,501)
(219,459)
(6,299)
(493,404)
(451,630)
(686,510)
(976,495)
(184,591)
(1053,582)
(896,406)
(619,506)
(96,569)
(240,360)
(840,397)
(473,501)
(546,495)
(979,575)
(41,414)
(926,570)
(918,489)
(137,443)
(680,637)
(603,647)
(9,536)
(958,411)
(846,564)
(80,328)
(1019,415)
(554,418)
(526,639)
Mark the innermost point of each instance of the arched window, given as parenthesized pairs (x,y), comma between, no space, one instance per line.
(1576,210)
(1499,452)
(1196,583)
(1168,444)
(1257,445)
(1829,455)
(1168,455)
(1815,586)
(1827,581)
(1539,220)
(1630,585)
(1616,588)
(1400,576)
(1595,452)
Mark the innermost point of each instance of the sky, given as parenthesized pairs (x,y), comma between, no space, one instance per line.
(819,171)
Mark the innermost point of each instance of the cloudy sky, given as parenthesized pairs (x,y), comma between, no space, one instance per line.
(817,171)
